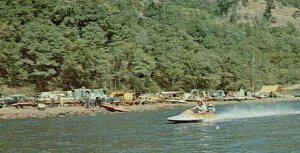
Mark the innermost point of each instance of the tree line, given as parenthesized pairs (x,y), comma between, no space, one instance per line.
(145,46)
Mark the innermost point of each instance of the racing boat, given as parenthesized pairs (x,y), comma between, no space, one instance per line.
(193,115)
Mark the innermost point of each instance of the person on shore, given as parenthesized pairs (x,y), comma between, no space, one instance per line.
(51,99)
(87,99)
(99,101)
(61,101)
(272,94)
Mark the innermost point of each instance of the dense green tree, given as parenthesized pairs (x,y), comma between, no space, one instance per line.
(128,61)
(144,45)
(224,6)
(10,72)
(40,48)
(268,11)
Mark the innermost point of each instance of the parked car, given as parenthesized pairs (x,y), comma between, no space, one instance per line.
(18,98)
(40,98)
(297,94)
(3,98)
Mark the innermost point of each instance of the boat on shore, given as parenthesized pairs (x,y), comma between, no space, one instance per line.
(176,101)
(113,108)
(192,115)
(24,104)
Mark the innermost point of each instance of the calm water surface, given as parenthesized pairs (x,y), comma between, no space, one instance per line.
(272,127)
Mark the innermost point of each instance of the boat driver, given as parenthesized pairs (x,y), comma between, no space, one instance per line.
(201,107)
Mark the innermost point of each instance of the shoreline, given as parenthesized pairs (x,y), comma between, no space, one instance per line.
(8,113)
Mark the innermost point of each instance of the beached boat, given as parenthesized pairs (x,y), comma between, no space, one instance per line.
(114,108)
(176,101)
(24,104)
(192,115)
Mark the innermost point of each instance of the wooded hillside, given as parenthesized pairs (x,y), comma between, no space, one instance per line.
(147,45)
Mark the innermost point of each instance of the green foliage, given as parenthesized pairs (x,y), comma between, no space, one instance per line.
(10,72)
(143,45)
(40,49)
(268,11)
(295,3)
(224,6)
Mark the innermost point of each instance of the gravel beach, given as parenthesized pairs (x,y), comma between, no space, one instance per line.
(32,112)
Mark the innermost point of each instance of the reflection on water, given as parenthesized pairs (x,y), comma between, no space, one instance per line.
(237,128)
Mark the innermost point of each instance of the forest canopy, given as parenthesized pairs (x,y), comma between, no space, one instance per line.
(146,46)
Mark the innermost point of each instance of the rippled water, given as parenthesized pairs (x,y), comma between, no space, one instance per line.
(271,127)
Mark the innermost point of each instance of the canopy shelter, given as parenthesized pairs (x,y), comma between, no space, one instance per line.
(292,90)
(293,87)
(271,88)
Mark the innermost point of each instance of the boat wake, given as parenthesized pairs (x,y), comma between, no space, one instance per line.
(238,112)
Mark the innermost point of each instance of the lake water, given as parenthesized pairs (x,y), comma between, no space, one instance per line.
(255,127)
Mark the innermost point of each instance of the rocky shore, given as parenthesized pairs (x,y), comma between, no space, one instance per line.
(32,112)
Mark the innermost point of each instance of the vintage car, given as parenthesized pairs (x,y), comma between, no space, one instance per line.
(297,94)
(122,98)
(172,96)
(3,98)
(13,99)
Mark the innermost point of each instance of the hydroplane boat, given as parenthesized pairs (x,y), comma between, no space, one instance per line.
(193,115)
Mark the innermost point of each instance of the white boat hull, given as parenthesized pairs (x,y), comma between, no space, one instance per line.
(183,119)
(191,116)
